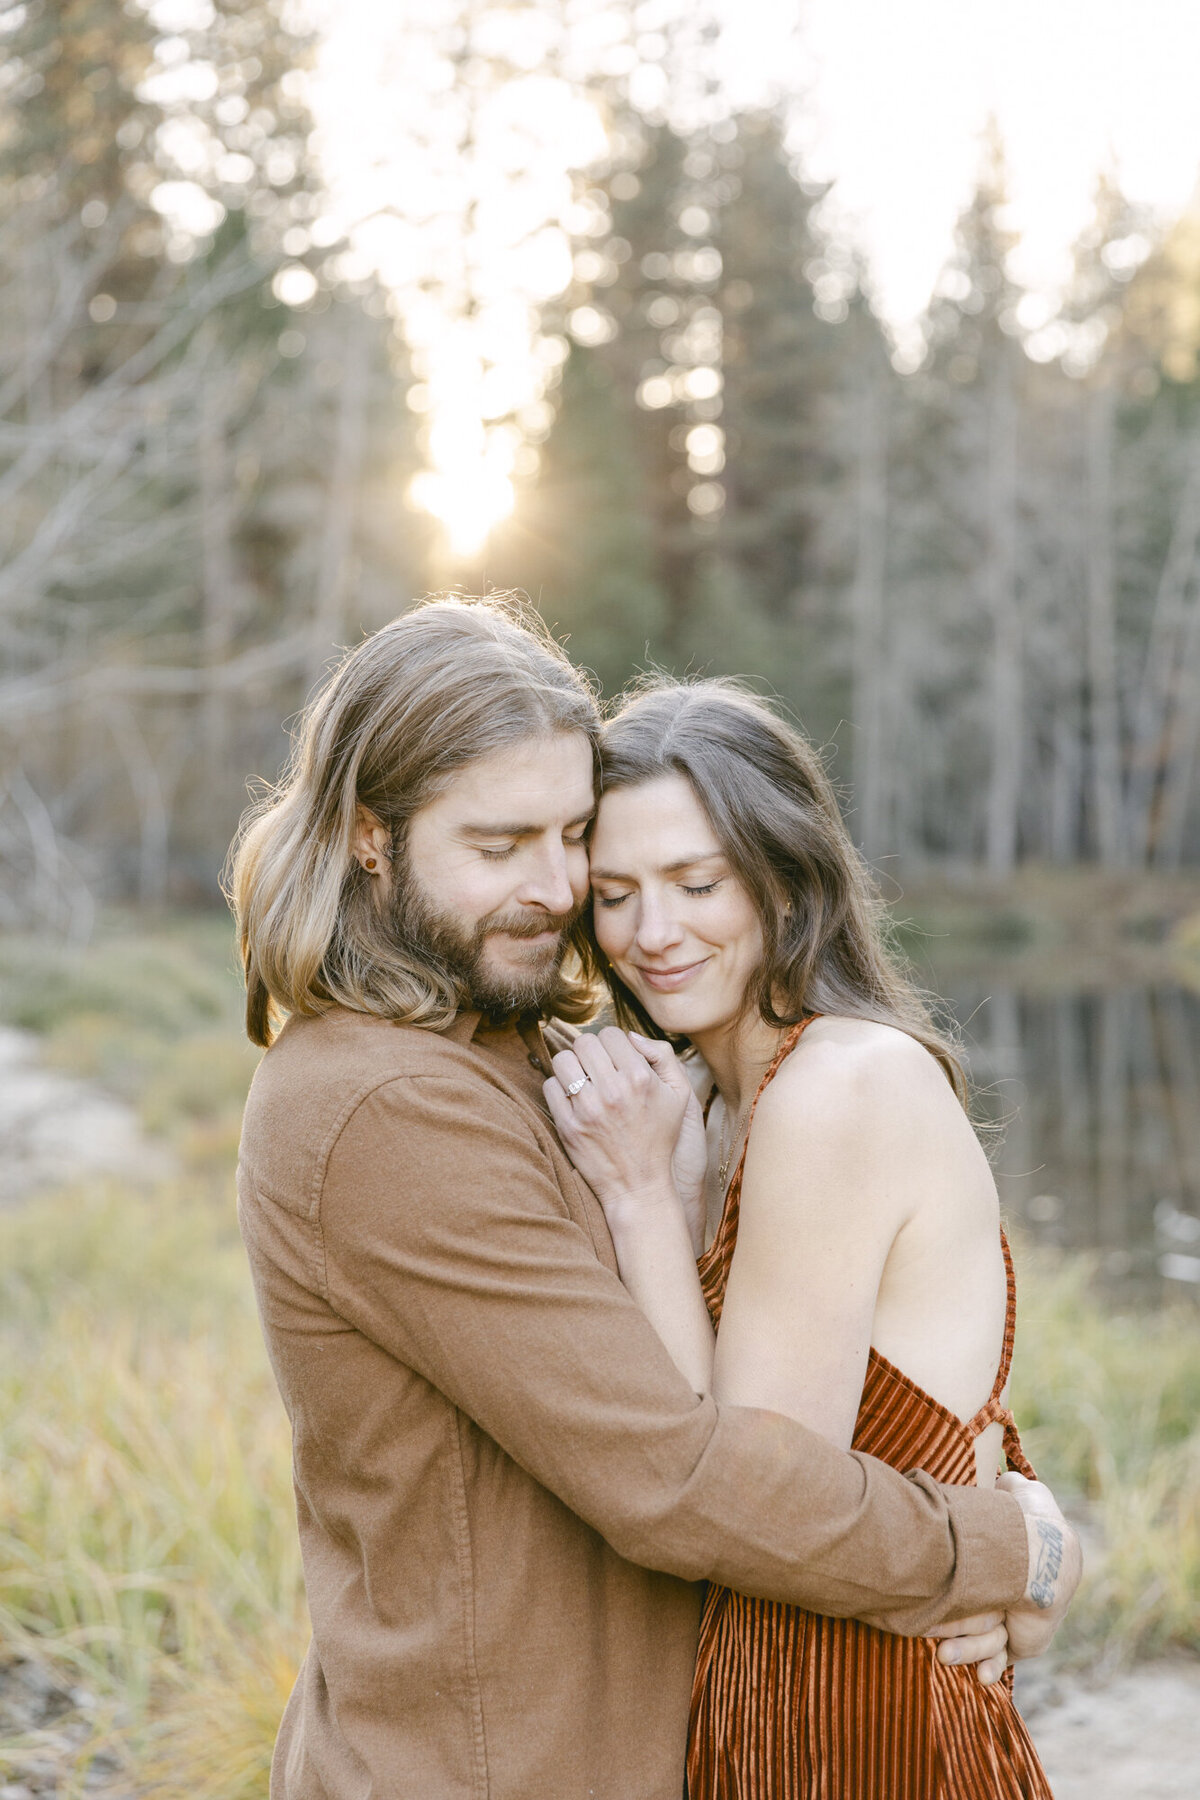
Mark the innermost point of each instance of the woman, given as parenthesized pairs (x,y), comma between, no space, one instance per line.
(852,1271)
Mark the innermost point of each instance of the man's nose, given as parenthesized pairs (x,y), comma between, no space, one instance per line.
(548,883)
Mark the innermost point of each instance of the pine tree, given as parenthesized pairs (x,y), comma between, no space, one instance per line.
(581,542)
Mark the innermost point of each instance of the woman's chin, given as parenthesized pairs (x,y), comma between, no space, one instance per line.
(677,1017)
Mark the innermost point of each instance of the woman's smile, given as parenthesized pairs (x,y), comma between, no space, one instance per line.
(668,981)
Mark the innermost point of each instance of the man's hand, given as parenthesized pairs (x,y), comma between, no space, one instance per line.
(982,1640)
(1055,1565)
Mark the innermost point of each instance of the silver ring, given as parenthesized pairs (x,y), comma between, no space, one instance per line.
(577,1086)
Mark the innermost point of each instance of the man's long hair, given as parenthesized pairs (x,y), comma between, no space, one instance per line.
(773,811)
(453,680)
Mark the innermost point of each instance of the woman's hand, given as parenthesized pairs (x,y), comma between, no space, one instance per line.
(689,1163)
(619,1107)
(622,1126)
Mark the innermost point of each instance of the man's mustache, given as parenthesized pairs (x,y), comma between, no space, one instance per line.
(529,925)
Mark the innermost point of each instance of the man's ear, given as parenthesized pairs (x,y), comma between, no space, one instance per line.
(372,845)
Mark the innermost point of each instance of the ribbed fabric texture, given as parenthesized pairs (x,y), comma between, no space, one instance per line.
(790,1705)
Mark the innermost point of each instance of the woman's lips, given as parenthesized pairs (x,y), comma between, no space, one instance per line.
(665,981)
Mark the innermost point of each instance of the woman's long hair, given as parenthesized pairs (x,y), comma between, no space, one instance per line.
(451,681)
(775,815)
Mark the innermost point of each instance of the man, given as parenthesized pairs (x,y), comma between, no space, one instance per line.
(506,1491)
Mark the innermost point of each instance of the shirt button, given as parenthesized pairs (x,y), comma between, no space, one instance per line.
(537,1062)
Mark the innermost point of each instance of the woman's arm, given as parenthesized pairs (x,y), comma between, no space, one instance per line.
(622,1129)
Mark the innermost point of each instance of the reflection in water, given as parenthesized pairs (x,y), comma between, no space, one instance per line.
(1099,1097)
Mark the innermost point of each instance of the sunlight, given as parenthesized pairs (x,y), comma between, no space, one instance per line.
(456,162)
(463,202)
(469,498)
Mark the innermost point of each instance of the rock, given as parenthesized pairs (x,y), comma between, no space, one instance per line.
(56,1130)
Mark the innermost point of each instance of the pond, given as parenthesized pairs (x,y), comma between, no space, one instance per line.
(1096,1098)
(1083,1044)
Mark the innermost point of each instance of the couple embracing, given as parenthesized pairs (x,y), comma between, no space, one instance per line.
(647,1384)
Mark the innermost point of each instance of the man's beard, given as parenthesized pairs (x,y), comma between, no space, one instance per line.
(462,951)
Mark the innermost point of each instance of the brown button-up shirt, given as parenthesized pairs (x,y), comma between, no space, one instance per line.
(506,1490)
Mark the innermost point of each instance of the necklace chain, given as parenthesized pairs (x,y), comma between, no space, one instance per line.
(725,1156)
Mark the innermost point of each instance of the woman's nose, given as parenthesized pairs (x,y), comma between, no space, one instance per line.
(657,928)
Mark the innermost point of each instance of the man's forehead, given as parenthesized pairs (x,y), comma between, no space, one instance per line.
(550,772)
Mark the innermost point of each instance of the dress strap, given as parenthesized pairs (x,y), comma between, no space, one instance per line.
(714,1263)
(994,1410)
(787,1044)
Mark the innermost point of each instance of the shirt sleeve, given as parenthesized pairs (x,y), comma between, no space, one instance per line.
(448,1242)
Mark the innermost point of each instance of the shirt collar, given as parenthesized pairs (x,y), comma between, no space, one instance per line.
(466,1026)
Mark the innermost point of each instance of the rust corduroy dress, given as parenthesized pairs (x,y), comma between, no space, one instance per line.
(791,1705)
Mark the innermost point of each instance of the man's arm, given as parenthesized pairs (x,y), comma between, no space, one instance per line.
(448,1242)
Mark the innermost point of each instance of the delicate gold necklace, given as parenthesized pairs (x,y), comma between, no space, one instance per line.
(725,1156)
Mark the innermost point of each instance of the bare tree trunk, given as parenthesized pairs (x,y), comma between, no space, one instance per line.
(1150,1135)
(1163,653)
(1073,1090)
(154,821)
(1000,574)
(1183,741)
(333,577)
(220,581)
(871,663)
(1112,1184)
(1103,709)
(60,896)
(1006,1057)
(1183,1084)
(1065,784)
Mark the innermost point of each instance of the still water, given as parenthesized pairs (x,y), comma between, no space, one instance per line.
(1096,1096)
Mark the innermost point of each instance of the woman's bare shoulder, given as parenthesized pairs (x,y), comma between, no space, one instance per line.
(845,1074)
(839,1056)
(864,1103)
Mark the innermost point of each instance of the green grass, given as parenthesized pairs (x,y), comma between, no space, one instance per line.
(147,1535)
(1108,1400)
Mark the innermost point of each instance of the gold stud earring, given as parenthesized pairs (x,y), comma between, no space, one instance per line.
(369,863)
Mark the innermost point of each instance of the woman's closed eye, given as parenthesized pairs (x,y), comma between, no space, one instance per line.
(610,900)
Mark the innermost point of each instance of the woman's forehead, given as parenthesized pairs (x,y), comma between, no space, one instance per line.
(660,819)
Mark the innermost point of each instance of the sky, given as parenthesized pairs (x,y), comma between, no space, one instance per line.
(889,102)
(902,92)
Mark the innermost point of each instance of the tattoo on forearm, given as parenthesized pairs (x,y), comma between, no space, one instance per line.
(1044,1586)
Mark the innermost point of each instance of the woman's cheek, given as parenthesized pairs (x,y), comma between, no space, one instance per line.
(609,936)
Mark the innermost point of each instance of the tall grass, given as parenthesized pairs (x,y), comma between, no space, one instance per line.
(1108,1399)
(148,1553)
(147,1536)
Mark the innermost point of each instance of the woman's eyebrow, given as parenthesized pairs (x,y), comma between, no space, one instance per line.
(671,868)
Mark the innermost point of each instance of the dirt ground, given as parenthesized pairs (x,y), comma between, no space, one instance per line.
(1135,1736)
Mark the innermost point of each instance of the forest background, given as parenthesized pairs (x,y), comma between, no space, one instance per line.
(232,440)
(974,579)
